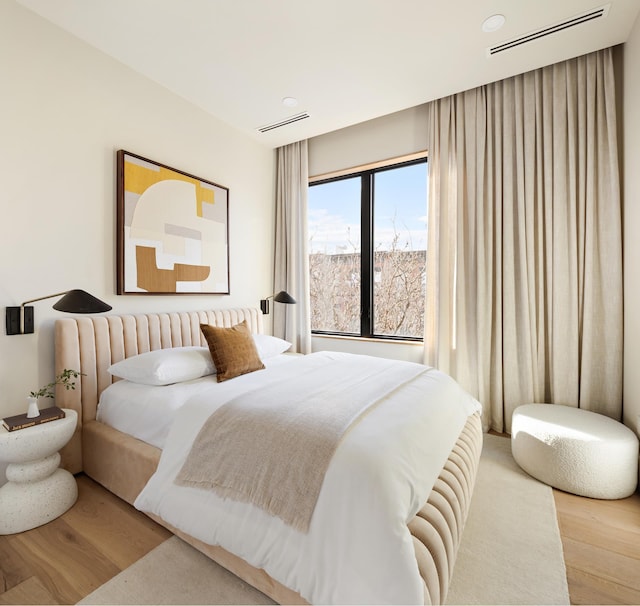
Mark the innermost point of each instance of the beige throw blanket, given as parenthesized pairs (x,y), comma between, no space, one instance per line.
(271,447)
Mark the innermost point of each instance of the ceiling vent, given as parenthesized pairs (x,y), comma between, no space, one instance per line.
(596,13)
(289,120)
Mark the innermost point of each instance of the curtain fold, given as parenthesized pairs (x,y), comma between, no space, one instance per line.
(291,272)
(524,262)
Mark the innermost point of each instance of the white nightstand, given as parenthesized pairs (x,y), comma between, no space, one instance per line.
(37,490)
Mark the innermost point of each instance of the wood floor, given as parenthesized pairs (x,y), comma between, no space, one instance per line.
(65,560)
(601,543)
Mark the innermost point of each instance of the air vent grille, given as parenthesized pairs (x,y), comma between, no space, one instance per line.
(596,13)
(289,120)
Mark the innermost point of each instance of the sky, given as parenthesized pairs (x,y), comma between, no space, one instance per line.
(400,208)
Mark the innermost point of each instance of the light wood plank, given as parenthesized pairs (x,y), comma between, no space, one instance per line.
(68,565)
(598,534)
(590,589)
(120,532)
(601,542)
(14,569)
(621,514)
(66,559)
(31,591)
(606,564)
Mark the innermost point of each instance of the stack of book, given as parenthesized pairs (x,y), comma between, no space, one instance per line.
(22,421)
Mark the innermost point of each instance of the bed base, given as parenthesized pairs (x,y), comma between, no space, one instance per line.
(123,464)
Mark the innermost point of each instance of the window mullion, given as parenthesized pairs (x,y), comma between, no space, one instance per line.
(366,255)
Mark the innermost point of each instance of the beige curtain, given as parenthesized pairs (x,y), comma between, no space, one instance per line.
(292,322)
(524,268)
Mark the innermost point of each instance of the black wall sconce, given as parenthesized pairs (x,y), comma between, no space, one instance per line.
(281,297)
(19,320)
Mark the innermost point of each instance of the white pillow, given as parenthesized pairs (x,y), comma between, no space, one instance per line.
(165,366)
(269,346)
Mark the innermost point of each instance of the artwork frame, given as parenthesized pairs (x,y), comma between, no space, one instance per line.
(172,230)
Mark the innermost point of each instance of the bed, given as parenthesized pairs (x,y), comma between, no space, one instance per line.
(126,465)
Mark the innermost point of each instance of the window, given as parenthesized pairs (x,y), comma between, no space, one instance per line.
(367,252)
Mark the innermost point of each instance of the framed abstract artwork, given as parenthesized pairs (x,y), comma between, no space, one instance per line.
(173,230)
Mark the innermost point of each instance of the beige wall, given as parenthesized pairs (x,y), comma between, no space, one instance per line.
(387,137)
(65,109)
(631,214)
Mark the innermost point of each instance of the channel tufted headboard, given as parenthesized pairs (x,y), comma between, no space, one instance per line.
(92,344)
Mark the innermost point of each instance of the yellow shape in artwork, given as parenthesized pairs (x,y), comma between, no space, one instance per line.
(139,179)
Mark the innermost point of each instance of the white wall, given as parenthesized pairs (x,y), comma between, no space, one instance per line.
(391,136)
(631,214)
(65,109)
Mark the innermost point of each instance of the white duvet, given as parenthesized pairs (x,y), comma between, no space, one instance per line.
(358,549)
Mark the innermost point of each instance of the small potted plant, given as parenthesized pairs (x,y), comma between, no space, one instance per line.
(67,378)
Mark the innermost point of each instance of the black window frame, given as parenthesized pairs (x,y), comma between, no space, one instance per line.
(367,202)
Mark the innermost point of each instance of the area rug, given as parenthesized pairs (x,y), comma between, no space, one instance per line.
(510,552)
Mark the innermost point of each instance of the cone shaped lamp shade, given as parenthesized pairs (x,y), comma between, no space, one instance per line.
(81,302)
(284,297)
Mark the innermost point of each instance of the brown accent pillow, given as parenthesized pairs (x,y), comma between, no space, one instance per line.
(233,350)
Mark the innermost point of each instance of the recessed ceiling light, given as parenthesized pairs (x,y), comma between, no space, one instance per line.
(493,23)
(289,102)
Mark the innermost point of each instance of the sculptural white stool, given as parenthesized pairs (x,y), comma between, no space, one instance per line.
(575,450)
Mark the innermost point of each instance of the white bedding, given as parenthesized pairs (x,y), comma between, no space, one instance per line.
(358,548)
(147,412)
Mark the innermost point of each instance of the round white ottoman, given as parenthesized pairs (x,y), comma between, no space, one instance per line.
(575,450)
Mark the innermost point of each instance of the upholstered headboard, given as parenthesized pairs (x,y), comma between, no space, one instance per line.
(92,344)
